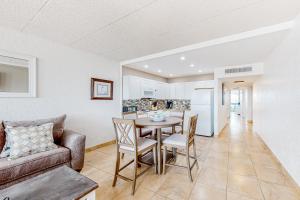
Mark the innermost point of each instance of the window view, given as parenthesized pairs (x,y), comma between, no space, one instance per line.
(235,99)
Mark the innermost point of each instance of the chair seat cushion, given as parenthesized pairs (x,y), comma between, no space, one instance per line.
(143,143)
(11,170)
(175,140)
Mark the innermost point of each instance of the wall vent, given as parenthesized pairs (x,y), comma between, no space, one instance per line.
(238,70)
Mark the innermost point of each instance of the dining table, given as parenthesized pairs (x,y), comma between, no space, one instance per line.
(147,122)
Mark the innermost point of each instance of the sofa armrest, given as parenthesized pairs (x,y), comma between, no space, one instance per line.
(76,143)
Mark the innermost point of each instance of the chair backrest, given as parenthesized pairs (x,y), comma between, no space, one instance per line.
(130,116)
(177,114)
(125,130)
(192,127)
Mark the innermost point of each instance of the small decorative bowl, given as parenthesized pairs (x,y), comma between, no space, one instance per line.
(158,117)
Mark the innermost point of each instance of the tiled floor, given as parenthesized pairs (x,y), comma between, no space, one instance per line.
(234,166)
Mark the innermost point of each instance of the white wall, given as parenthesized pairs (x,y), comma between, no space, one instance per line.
(64,87)
(249,103)
(277,103)
(221,111)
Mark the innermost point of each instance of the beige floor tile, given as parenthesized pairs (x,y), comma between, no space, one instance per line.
(216,163)
(244,185)
(218,155)
(242,169)
(175,187)
(235,196)
(213,178)
(153,181)
(202,192)
(278,192)
(229,164)
(158,197)
(140,194)
(270,175)
(106,191)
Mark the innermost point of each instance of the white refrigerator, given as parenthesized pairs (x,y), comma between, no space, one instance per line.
(202,103)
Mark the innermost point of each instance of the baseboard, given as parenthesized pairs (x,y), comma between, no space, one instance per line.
(99,146)
(284,171)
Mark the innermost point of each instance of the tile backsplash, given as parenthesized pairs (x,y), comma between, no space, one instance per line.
(145,104)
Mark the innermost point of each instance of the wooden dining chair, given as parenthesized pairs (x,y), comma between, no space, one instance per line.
(182,142)
(178,128)
(143,132)
(128,143)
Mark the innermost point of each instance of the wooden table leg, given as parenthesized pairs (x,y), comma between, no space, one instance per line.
(159,150)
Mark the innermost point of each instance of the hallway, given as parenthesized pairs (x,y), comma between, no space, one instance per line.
(234,166)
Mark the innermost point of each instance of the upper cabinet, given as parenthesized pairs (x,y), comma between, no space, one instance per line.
(148,88)
(163,91)
(136,88)
(188,89)
(177,91)
(131,87)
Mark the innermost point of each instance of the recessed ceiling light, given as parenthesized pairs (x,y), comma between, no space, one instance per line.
(192,65)
(199,70)
(182,58)
(170,74)
(146,66)
(159,71)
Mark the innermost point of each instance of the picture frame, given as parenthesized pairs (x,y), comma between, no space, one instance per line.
(101,89)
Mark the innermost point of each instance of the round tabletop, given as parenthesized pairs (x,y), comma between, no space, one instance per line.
(148,123)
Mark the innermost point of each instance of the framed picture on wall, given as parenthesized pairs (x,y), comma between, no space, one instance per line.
(101,89)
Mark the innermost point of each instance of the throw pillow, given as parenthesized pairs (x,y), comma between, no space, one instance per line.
(58,127)
(25,141)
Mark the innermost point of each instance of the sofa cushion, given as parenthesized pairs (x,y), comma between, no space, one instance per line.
(11,170)
(2,136)
(24,141)
(58,127)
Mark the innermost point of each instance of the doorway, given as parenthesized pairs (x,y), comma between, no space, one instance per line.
(235,101)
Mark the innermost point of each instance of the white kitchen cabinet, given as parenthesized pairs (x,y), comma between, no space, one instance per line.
(148,88)
(131,87)
(177,91)
(188,89)
(136,88)
(162,91)
(180,91)
(172,89)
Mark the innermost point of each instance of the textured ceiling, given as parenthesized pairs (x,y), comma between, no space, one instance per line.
(246,51)
(123,30)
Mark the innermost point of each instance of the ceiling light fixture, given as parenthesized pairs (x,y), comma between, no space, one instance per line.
(182,58)
(192,65)
(199,70)
(146,66)
(239,81)
(159,71)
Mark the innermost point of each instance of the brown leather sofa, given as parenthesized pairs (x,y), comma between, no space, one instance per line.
(70,153)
